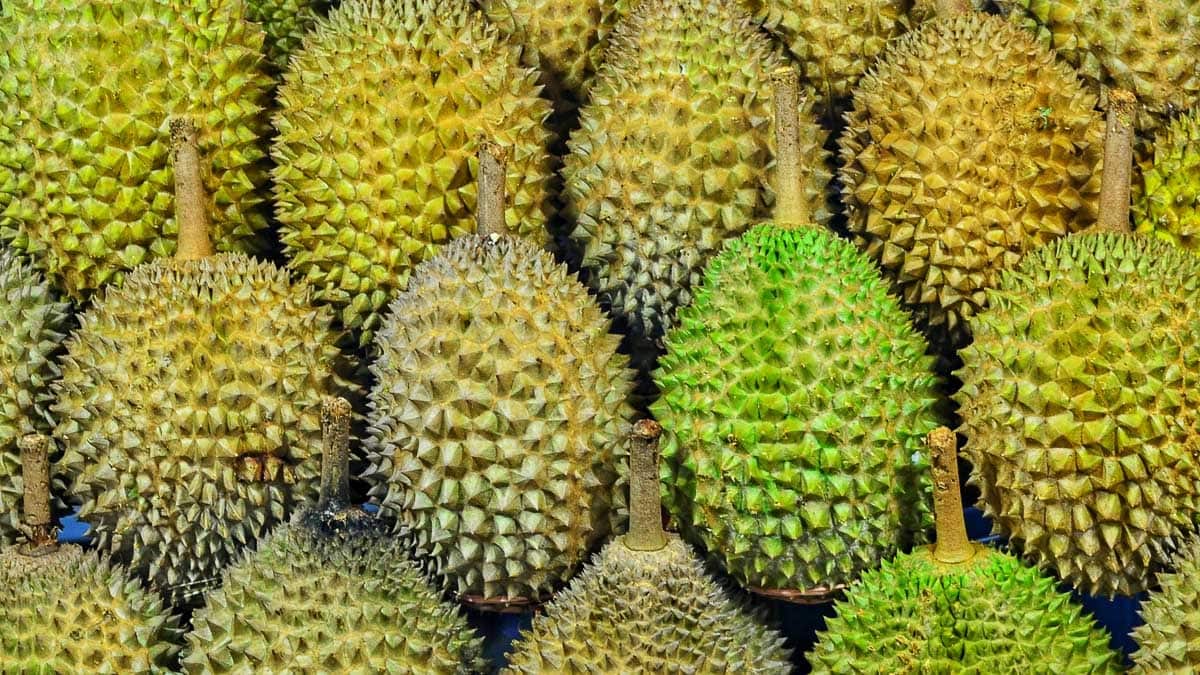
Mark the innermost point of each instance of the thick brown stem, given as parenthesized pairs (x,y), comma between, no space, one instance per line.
(489,207)
(1118,162)
(191,203)
(645,502)
(35,474)
(952,544)
(790,209)
(335,457)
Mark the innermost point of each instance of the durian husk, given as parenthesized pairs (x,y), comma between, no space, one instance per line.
(1167,200)
(285,23)
(1171,618)
(380,118)
(968,145)
(85,174)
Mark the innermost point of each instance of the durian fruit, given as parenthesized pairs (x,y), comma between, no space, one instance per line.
(1149,47)
(968,145)
(646,605)
(32,326)
(380,118)
(1167,201)
(673,156)
(86,89)
(1079,395)
(795,398)
(499,416)
(285,23)
(959,607)
(66,611)
(1171,618)
(564,40)
(188,404)
(331,592)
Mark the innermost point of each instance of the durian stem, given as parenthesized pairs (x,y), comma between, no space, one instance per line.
(489,206)
(35,474)
(1118,162)
(952,544)
(951,8)
(191,203)
(645,502)
(335,452)
(790,209)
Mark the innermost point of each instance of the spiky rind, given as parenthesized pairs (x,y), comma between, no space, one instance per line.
(674,154)
(968,145)
(1167,639)
(381,116)
(189,410)
(285,23)
(1148,48)
(795,401)
(1079,404)
(989,615)
(564,39)
(648,612)
(74,612)
(312,601)
(499,418)
(32,326)
(1167,203)
(87,92)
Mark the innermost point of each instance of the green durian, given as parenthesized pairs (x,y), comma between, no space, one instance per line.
(959,607)
(795,397)
(33,323)
(188,403)
(564,40)
(1149,47)
(333,591)
(1171,618)
(86,90)
(674,156)
(285,23)
(968,145)
(1167,201)
(380,117)
(646,604)
(66,611)
(499,414)
(1079,394)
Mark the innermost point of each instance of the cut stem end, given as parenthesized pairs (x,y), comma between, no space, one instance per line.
(952,544)
(489,207)
(335,457)
(1118,162)
(35,473)
(645,501)
(790,209)
(191,202)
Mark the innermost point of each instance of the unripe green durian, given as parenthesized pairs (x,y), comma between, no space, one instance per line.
(331,592)
(66,611)
(674,156)
(968,145)
(1171,618)
(1078,396)
(188,404)
(1149,47)
(795,397)
(1167,203)
(32,326)
(380,117)
(646,605)
(499,415)
(959,607)
(85,96)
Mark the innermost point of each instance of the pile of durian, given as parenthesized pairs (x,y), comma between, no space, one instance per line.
(342,325)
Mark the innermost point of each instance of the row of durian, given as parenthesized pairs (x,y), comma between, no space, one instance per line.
(259,466)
